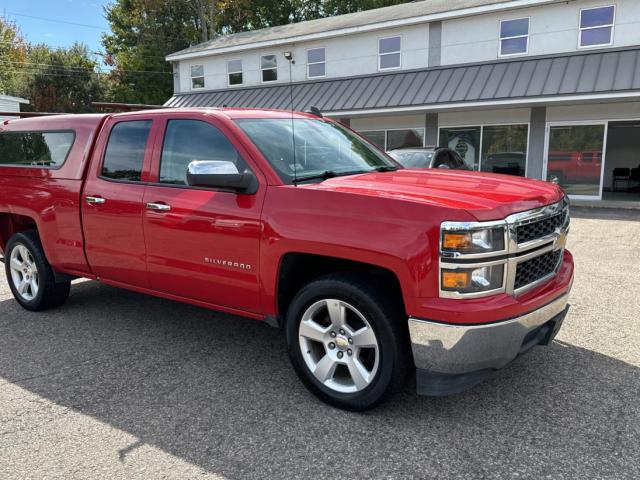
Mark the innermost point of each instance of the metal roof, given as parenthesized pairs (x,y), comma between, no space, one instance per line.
(594,72)
(359,19)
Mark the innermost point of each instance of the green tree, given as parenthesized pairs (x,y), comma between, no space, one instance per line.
(143,32)
(61,80)
(13,51)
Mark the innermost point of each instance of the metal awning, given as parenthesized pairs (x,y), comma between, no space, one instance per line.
(530,78)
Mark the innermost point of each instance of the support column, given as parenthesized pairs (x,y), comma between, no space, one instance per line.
(537,131)
(431,129)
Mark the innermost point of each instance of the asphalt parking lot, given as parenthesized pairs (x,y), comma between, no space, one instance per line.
(119,385)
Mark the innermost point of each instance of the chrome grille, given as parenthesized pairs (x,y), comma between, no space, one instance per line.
(531,271)
(527,232)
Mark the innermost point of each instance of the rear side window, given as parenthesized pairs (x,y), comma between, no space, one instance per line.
(189,140)
(125,150)
(35,149)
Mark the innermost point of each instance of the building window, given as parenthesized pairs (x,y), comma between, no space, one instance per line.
(514,37)
(269,67)
(596,26)
(377,137)
(574,158)
(490,148)
(504,149)
(316,66)
(397,138)
(197,76)
(234,72)
(389,53)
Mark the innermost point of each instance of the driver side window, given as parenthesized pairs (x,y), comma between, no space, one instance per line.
(189,140)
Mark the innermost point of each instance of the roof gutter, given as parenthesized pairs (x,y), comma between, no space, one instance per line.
(464,12)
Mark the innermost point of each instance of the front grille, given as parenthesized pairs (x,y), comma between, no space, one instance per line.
(537,268)
(540,228)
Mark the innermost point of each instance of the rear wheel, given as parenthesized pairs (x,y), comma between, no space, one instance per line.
(347,341)
(30,276)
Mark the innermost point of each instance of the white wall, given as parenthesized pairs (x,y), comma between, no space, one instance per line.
(552,29)
(485,117)
(595,111)
(388,122)
(345,56)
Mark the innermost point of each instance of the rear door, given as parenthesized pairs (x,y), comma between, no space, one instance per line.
(112,201)
(202,243)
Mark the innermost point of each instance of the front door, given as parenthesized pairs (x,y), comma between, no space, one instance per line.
(112,205)
(202,244)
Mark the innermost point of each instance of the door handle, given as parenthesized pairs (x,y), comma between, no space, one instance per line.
(159,207)
(94,200)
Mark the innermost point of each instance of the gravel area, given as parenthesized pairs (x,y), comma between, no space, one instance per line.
(120,385)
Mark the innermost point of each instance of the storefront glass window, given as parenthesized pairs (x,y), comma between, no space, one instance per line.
(375,136)
(405,139)
(575,158)
(465,141)
(504,149)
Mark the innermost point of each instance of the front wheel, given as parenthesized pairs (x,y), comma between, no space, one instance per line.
(347,341)
(29,274)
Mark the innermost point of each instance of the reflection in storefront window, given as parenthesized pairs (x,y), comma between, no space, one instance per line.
(393,139)
(504,149)
(409,138)
(377,137)
(465,141)
(575,158)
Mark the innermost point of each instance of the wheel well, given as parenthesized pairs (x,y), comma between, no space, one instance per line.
(10,224)
(298,269)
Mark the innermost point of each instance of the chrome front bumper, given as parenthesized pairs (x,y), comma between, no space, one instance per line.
(453,356)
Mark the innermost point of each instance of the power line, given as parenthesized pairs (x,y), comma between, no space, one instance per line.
(63,67)
(55,20)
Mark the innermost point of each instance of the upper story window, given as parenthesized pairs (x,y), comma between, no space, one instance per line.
(269,68)
(389,53)
(596,26)
(197,76)
(234,72)
(514,37)
(124,156)
(316,66)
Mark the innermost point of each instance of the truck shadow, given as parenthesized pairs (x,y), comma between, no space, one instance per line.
(218,391)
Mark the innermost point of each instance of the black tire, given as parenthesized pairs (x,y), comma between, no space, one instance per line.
(388,321)
(50,294)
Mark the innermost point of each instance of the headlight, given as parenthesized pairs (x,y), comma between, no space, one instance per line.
(472,280)
(486,240)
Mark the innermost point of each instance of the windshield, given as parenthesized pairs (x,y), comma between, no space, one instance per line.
(413,159)
(322,149)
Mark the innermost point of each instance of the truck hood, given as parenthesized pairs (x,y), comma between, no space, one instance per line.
(486,196)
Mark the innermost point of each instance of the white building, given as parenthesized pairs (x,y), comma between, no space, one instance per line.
(538,87)
(10,104)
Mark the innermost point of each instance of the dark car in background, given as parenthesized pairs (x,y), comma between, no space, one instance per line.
(429,157)
(508,163)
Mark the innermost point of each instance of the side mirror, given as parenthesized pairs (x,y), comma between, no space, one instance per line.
(220,174)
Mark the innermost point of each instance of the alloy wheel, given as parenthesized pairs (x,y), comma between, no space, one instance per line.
(339,346)
(24,273)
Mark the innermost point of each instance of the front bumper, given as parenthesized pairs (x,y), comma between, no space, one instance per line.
(452,358)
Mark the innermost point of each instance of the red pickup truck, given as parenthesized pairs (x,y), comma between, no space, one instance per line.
(373,271)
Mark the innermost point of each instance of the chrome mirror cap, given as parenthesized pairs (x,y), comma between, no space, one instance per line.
(212,167)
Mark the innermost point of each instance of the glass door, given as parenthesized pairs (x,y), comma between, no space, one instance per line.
(575,158)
